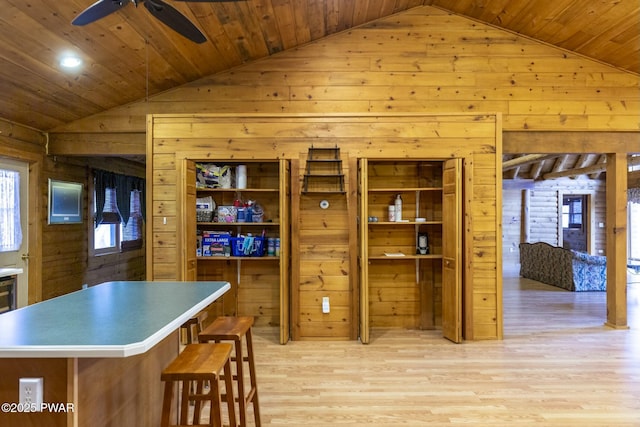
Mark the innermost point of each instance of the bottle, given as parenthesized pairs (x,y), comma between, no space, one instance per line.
(398,205)
(392,213)
(271,246)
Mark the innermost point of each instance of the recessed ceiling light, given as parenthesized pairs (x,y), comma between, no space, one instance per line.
(70,61)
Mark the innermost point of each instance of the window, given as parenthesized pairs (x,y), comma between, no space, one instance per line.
(132,231)
(10,231)
(118,220)
(107,233)
(573,211)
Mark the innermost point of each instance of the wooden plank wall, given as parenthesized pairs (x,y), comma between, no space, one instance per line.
(59,258)
(421,60)
(65,257)
(323,237)
(324,256)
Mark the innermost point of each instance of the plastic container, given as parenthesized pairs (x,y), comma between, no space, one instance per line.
(255,249)
(392,213)
(398,206)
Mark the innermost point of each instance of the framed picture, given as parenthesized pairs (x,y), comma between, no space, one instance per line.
(65,202)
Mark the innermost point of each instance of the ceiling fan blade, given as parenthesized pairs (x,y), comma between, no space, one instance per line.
(174,20)
(98,10)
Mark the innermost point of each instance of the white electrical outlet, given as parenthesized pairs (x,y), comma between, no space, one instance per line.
(32,392)
(325,305)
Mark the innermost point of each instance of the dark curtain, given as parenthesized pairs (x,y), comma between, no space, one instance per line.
(124,185)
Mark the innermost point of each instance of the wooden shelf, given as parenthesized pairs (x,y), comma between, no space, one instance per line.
(240,224)
(403,189)
(268,184)
(406,256)
(243,258)
(387,223)
(236,190)
(410,283)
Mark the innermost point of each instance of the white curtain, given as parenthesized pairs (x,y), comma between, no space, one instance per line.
(10,231)
(633,195)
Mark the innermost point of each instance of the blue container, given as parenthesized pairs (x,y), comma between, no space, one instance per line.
(247,246)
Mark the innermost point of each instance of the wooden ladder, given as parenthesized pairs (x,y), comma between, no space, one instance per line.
(324,166)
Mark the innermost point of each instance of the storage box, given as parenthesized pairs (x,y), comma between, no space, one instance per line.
(227,213)
(216,244)
(204,209)
(253,249)
(198,245)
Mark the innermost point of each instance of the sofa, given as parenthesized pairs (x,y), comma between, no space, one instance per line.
(564,268)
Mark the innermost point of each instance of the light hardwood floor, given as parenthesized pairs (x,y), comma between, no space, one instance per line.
(557,366)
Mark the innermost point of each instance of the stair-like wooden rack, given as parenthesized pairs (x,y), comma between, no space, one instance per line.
(324,166)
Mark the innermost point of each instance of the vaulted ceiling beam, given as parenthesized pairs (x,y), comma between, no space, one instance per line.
(526,159)
(595,169)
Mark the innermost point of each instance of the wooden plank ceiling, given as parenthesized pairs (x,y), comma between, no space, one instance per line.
(129,55)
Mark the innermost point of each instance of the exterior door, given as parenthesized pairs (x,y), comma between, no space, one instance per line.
(452,251)
(20,258)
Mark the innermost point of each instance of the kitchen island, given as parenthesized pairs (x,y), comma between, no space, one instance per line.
(100,351)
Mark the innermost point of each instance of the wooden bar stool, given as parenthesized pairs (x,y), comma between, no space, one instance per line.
(235,329)
(199,363)
(193,327)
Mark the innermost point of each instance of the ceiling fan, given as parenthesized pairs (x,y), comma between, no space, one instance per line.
(162,11)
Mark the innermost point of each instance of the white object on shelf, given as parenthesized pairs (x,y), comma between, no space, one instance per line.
(393,254)
(241,177)
(398,205)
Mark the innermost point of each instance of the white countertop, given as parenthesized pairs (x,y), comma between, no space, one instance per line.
(10,271)
(113,319)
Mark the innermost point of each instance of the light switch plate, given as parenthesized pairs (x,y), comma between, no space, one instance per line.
(325,305)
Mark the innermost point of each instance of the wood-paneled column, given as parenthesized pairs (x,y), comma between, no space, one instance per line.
(616,240)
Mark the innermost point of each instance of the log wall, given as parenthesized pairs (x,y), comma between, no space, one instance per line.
(540,223)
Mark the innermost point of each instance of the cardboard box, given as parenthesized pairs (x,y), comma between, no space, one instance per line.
(198,245)
(216,243)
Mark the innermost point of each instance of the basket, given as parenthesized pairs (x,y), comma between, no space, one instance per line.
(204,216)
(204,209)
(254,250)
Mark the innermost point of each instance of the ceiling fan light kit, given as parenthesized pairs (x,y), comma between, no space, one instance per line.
(162,11)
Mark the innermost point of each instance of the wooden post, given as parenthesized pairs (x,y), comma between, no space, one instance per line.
(616,240)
